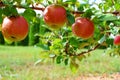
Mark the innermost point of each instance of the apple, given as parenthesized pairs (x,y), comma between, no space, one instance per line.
(83,28)
(14,28)
(117,40)
(55,16)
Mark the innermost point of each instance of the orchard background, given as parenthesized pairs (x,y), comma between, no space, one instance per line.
(62,45)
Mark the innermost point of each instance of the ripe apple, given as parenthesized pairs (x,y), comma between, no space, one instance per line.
(83,28)
(55,16)
(14,28)
(117,40)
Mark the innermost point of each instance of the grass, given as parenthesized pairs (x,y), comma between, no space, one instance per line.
(17,63)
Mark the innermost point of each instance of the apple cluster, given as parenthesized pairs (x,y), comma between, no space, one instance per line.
(55,18)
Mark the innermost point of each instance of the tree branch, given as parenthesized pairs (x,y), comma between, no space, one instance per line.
(42,9)
(82,53)
(86,52)
(33,7)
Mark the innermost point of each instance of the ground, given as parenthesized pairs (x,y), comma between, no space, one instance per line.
(18,63)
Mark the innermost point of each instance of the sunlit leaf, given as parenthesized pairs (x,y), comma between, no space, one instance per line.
(74,66)
(29,14)
(102,40)
(107,17)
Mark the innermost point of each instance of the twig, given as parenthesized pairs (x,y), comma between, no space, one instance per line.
(86,52)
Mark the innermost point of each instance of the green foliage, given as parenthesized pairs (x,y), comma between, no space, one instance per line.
(70,18)
(33,31)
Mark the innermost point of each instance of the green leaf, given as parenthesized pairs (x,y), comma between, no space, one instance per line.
(117,22)
(1,16)
(107,17)
(70,18)
(81,57)
(29,14)
(102,39)
(88,13)
(66,61)
(74,66)
(117,6)
(44,46)
(109,41)
(38,61)
(10,11)
(81,7)
(72,1)
(74,42)
(59,59)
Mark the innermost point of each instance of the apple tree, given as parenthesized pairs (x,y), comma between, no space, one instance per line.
(69,29)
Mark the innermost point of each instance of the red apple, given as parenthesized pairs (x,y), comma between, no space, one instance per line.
(117,40)
(83,28)
(55,16)
(14,28)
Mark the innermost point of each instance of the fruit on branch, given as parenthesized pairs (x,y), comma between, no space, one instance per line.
(117,40)
(14,28)
(83,28)
(55,16)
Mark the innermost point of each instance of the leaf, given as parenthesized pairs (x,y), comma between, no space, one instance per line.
(117,22)
(66,61)
(10,11)
(73,1)
(88,13)
(74,66)
(1,15)
(74,42)
(102,39)
(43,46)
(29,14)
(52,55)
(70,18)
(38,61)
(81,7)
(81,57)
(107,17)
(59,59)
(109,41)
